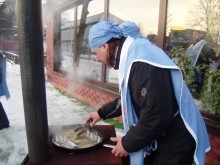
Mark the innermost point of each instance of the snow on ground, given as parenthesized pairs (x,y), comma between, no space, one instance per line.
(61,110)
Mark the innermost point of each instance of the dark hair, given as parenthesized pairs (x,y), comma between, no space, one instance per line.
(112,44)
(113,39)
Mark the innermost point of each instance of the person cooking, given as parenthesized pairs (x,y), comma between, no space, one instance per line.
(158,111)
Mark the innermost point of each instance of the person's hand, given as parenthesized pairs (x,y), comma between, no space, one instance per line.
(93,118)
(119,149)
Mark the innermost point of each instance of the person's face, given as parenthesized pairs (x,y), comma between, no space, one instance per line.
(102,54)
(106,53)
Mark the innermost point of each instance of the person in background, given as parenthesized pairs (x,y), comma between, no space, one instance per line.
(160,117)
(4,122)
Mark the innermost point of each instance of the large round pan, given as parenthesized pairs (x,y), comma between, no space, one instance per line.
(77,138)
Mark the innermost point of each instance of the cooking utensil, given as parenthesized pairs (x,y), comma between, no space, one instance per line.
(109,145)
(77,138)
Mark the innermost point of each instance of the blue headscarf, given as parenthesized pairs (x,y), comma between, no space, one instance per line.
(130,29)
(102,32)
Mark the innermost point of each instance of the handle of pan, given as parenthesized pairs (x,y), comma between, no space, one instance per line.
(109,145)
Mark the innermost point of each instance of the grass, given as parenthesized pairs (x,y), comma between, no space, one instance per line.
(71,97)
(115,122)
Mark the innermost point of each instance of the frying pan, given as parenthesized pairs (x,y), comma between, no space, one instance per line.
(70,138)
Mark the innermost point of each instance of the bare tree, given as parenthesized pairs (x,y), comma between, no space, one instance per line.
(206,16)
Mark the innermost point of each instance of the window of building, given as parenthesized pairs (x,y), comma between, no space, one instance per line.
(144,13)
(72,55)
(67,40)
(87,15)
(192,42)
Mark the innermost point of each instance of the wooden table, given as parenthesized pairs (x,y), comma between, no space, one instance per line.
(98,156)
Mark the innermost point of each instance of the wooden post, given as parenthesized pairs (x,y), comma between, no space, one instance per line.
(33,79)
(162,23)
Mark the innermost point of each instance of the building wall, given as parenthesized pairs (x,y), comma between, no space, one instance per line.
(213,156)
(9,45)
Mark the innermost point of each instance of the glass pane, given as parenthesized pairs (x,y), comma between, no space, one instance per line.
(67,39)
(193,43)
(88,15)
(145,13)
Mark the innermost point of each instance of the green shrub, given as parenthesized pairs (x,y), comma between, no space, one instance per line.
(183,61)
(211,92)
